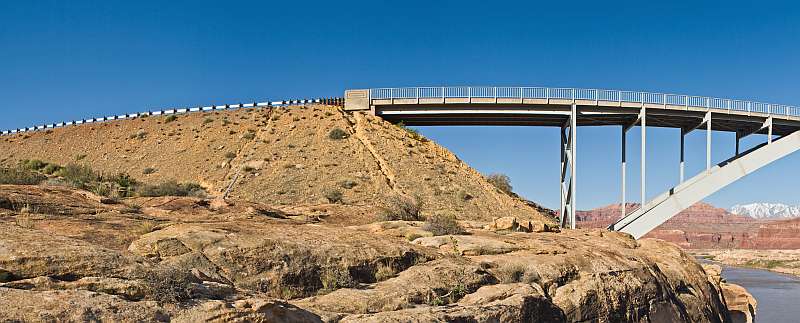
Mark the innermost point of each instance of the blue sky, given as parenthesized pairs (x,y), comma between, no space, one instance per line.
(70,59)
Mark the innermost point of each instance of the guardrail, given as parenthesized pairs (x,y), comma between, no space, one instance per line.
(595,95)
(332,101)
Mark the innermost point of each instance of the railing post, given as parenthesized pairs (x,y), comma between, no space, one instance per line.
(494,92)
(469,94)
(665,101)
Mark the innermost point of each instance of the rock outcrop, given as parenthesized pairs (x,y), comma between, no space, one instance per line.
(220,263)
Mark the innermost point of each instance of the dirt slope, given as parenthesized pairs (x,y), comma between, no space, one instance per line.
(280,155)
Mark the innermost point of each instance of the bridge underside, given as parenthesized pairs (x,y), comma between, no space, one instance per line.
(434,107)
(557,115)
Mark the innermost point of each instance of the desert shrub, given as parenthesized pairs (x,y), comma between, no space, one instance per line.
(24,219)
(171,188)
(338,134)
(170,285)
(122,184)
(334,278)
(334,196)
(401,208)
(248,169)
(515,273)
(170,118)
(149,170)
(384,272)
(20,177)
(249,136)
(441,224)
(140,134)
(348,184)
(411,132)
(32,164)
(80,157)
(51,169)
(413,236)
(78,175)
(501,181)
(208,120)
(230,155)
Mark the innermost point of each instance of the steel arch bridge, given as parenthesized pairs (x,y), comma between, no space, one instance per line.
(569,108)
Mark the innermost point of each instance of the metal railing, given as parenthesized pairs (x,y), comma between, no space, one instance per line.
(596,95)
(332,101)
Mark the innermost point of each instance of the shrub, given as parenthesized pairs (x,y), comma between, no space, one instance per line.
(170,285)
(338,134)
(384,272)
(208,120)
(78,175)
(334,196)
(149,170)
(334,278)
(501,181)
(80,157)
(515,273)
(171,188)
(348,184)
(141,134)
(51,169)
(170,118)
(20,177)
(401,208)
(249,136)
(442,225)
(230,155)
(411,132)
(32,164)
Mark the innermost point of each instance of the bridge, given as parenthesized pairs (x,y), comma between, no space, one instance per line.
(569,108)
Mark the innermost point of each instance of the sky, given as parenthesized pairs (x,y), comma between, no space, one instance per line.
(63,60)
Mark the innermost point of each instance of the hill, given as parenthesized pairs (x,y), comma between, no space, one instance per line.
(283,155)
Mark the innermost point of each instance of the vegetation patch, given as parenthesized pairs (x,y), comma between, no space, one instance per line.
(338,134)
(501,182)
(172,188)
(401,208)
(441,224)
(20,177)
(334,196)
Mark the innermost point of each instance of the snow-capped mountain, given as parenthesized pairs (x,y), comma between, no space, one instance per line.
(767,211)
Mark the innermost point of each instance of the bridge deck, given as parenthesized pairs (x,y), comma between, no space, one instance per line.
(589,114)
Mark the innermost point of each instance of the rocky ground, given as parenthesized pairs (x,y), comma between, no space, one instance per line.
(782,261)
(367,223)
(66,255)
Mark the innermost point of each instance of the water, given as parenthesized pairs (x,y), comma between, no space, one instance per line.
(778,295)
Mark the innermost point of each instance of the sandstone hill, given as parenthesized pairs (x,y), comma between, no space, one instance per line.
(283,248)
(281,155)
(701,226)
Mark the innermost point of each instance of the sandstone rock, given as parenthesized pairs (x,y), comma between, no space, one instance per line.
(75,306)
(467,245)
(741,303)
(247,310)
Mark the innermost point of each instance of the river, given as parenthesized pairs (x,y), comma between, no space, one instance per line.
(778,295)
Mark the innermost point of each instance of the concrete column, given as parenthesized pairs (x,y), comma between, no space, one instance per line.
(624,160)
(708,141)
(683,157)
(573,161)
(644,155)
(562,186)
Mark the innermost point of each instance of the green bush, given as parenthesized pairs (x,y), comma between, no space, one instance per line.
(20,177)
(32,164)
(171,188)
(170,118)
(51,169)
(442,225)
(78,175)
(338,134)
